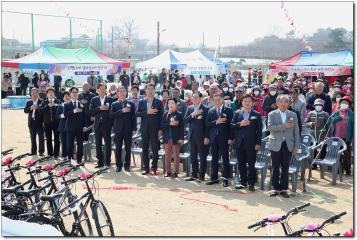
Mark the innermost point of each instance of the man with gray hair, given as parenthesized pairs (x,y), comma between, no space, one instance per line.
(319,93)
(35,122)
(284,140)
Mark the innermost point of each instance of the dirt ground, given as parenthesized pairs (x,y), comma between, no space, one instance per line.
(157,206)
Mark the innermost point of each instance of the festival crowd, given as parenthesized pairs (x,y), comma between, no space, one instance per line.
(211,112)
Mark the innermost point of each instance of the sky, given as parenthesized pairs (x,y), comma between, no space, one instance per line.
(236,23)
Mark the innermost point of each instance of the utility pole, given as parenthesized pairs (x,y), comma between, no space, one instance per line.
(70,32)
(101,35)
(112,41)
(33,34)
(158,38)
(219,45)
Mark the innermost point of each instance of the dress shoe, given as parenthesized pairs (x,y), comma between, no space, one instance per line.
(167,175)
(225,183)
(274,194)
(98,166)
(285,194)
(127,169)
(153,172)
(41,154)
(201,178)
(33,154)
(56,157)
(240,186)
(212,182)
(348,172)
(174,175)
(251,188)
(118,169)
(189,179)
(144,172)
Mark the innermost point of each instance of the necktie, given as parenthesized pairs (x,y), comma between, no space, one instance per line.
(33,111)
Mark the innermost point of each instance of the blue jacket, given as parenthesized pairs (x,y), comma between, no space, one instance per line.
(123,122)
(101,116)
(197,127)
(250,135)
(62,121)
(75,121)
(177,132)
(224,129)
(149,122)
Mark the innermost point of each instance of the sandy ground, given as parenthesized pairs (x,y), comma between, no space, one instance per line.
(156,206)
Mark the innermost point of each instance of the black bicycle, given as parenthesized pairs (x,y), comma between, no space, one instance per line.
(312,229)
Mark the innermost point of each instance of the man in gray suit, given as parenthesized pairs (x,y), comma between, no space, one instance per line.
(283,141)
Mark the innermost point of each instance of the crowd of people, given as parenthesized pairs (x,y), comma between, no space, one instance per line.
(214,112)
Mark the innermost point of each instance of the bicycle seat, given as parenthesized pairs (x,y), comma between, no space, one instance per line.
(7,161)
(48,167)
(28,193)
(52,197)
(13,189)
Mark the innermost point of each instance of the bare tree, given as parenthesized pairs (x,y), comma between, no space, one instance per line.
(126,32)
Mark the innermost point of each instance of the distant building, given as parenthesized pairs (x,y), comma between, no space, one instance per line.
(78,41)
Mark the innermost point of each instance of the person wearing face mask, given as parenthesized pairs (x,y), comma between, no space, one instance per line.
(258,101)
(340,124)
(269,103)
(348,88)
(113,92)
(319,93)
(226,94)
(336,99)
(316,121)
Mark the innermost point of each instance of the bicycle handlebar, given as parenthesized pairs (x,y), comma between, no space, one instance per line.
(73,180)
(7,151)
(260,223)
(332,219)
(21,156)
(297,209)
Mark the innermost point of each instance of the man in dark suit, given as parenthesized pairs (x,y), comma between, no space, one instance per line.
(99,109)
(247,128)
(49,109)
(123,113)
(85,98)
(57,80)
(35,122)
(75,113)
(218,122)
(150,111)
(198,136)
(62,124)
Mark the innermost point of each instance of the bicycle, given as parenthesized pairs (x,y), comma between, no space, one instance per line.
(283,220)
(311,229)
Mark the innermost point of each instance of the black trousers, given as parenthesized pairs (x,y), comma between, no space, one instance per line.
(57,89)
(280,179)
(23,91)
(78,135)
(219,148)
(119,138)
(152,139)
(246,156)
(49,129)
(37,131)
(101,133)
(197,147)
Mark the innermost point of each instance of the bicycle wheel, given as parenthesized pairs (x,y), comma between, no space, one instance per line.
(84,225)
(102,219)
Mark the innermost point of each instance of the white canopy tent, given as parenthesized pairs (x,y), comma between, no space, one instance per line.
(192,63)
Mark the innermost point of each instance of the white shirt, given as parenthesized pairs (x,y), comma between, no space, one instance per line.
(219,110)
(282,115)
(33,111)
(102,100)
